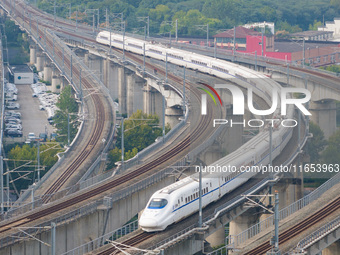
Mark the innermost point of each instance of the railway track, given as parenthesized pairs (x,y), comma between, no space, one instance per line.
(180,149)
(184,145)
(101,115)
(299,228)
(133,241)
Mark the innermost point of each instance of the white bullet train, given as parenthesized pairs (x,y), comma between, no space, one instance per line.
(181,199)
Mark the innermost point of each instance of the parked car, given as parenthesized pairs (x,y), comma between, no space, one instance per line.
(9,118)
(13,120)
(13,133)
(42,137)
(11,97)
(13,114)
(31,136)
(12,105)
(13,126)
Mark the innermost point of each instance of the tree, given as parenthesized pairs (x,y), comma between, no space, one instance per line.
(331,154)
(315,25)
(24,158)
(140,130)
(316,144)
(66,115)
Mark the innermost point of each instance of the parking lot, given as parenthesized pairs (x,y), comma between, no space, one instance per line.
(33,119)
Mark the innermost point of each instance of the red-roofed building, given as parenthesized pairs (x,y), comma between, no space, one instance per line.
(242,38)
(249,41)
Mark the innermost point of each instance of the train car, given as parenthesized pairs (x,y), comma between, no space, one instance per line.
(179,200)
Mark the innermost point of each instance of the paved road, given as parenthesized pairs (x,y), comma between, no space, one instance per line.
(33,119)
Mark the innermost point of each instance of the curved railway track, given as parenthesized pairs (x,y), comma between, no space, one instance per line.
(299,228)
(178,149)
(101,115)
(133,241)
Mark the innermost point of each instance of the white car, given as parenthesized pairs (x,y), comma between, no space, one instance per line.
(11,105)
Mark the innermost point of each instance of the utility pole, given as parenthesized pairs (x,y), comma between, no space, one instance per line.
(166,66)
(63,58)
(122,142)
(107,19)
(163,107)
(200,199)
(176,30)
(275,239)
(38,159)
(81,89)
(77,17)
(234,44)
(123,40)
(208,35)
(2,184)
(303,52)
(54,12)
(68,129)
(262,32)
(147,21)
(143,59)
(183,90)
(256,60)
(70,11)
(71,70)
(110,40)
(53,235)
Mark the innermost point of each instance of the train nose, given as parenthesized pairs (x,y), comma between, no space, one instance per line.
(148,223)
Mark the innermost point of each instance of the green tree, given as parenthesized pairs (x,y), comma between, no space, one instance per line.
(68,108)
(24,158)
(140,130)
(187,22)
(316,144)
(331,154)
(113,157)
(315,25)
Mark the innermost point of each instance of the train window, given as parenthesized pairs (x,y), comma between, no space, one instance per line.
(182,199)
(178,201)
(197,195)
(186,200)
(210,185)
(191,197)
(158,203)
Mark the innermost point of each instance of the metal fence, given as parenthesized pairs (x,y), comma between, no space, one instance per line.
(63,219)
(284,213)
(320,233)
(92,207)
(67,51)
(100,241)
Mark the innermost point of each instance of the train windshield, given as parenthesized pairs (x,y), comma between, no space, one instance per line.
(158,203)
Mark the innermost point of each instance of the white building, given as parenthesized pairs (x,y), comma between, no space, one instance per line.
(332,26)
(21,74)
(269,25)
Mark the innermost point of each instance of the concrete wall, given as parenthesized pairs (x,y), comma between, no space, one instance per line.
(89,227)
